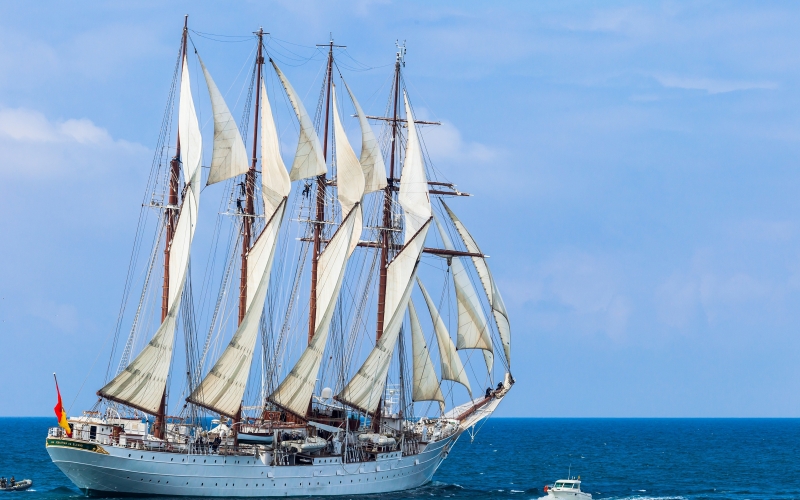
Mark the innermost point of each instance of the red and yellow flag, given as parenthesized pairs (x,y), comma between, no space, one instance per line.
(61,414)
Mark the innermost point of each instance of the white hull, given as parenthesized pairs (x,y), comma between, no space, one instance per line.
(119,470)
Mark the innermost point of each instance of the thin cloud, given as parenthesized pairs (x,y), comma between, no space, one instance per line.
(711,85)
(34,145)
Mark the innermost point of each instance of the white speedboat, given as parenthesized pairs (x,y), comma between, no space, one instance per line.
(566,488)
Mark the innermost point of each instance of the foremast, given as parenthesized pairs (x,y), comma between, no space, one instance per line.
(142,384)
(171,216)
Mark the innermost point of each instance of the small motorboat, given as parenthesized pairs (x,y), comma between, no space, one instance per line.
(18,485)
(566,489)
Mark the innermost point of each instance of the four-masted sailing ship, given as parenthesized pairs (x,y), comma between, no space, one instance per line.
(316,378)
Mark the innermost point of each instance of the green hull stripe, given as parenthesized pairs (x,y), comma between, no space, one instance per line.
(69,443)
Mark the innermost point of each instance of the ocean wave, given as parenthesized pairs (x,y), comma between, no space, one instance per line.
(644,497)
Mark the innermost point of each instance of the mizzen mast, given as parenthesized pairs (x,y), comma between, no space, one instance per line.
(388,198)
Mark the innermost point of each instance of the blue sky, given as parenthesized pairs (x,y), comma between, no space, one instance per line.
(634,166)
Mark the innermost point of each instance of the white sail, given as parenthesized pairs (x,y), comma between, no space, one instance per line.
(473,329)
(275,183)
(425,384)
(308,160)
(452,368)
(229,157)
(223,387)
(143,382)
(349,176)
(413,196)
(294,393)
(498,307)
(371,158)
(365,389)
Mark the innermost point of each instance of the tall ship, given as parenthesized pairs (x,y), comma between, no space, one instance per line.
(308,350)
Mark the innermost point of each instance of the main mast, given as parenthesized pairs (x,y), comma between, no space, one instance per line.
(171,212)
(249,205)
(319,216)
(250,186)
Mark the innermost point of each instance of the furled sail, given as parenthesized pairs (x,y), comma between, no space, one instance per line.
(498,307)
(452,368)
(294,393)
(371,157)
(365,389)
(473,330)
(143,382)
(426,385)
(224,385)
(229,157)
(308,160)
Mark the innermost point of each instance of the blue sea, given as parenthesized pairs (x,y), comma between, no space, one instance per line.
(515,458)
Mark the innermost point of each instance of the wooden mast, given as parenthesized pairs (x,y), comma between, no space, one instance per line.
(387,205)
(249,208)
(320,212)
(171,215)
(250,186)
(387,224)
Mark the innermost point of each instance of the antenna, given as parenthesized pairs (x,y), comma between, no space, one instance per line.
(569,473)
(401,52)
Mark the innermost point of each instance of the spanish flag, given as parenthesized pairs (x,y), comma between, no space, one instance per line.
(61,414)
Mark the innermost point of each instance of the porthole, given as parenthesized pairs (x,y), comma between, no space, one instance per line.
(129,455)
